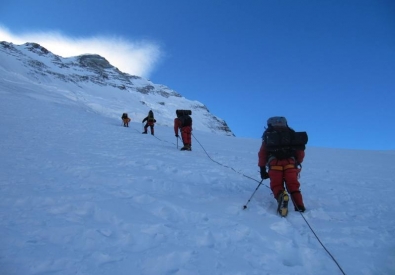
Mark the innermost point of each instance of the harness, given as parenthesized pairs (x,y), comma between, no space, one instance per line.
(282,168)
(286,167)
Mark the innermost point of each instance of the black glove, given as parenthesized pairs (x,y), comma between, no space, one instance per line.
(264,174)
(176,135)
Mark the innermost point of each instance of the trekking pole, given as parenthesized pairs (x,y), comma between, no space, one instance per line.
(180,139)
(177,142)
(245,206)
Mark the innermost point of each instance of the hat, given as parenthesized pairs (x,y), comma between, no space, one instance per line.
(277,121)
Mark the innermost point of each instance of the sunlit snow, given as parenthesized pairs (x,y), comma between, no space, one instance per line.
(81,194)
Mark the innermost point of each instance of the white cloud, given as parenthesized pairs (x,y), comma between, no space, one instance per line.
(136,58)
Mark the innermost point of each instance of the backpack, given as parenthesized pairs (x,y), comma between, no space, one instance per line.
(284,143)
(186,120)
(124,115)
(151,116)
(183,112)
(184,117)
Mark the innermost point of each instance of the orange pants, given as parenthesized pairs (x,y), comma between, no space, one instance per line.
(285,171)
(126,121)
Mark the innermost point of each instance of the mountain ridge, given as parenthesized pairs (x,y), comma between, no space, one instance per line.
(89,73)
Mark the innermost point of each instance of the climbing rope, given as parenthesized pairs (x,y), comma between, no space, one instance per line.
(260,182)
(301,214)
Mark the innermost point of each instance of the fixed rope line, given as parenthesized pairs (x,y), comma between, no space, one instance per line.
(301,214)
(156,137)
(225,165)
(323,246)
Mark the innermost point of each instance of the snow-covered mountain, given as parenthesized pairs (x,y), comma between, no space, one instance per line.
(82,195)
(90,79)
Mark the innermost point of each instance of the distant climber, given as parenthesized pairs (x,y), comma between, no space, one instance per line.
(125,120)
(184,123)
(150,122)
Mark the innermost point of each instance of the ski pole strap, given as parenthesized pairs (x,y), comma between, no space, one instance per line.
(281,168)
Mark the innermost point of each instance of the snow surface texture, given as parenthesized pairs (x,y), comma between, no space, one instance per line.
(81,194)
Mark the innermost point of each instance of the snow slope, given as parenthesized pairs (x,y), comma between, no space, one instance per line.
(95,83)
(80,194)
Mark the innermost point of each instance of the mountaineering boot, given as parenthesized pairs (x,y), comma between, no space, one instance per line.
(144,132)
(187,147)
(282,200)
(297,200)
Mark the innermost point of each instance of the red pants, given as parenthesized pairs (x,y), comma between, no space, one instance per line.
(186,133)
(281,171)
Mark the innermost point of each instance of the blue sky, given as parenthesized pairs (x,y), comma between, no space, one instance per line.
(328,66)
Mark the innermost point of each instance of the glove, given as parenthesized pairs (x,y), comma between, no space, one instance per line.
(176,135)
(264,174)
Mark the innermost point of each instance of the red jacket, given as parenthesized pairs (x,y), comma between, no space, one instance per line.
(178,125)
(264,156)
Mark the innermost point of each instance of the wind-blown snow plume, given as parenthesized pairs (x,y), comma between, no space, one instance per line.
(134,57)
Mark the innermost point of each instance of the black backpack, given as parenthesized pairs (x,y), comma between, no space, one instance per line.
(186,120)
(124,115)
(184,117)
(282,144)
